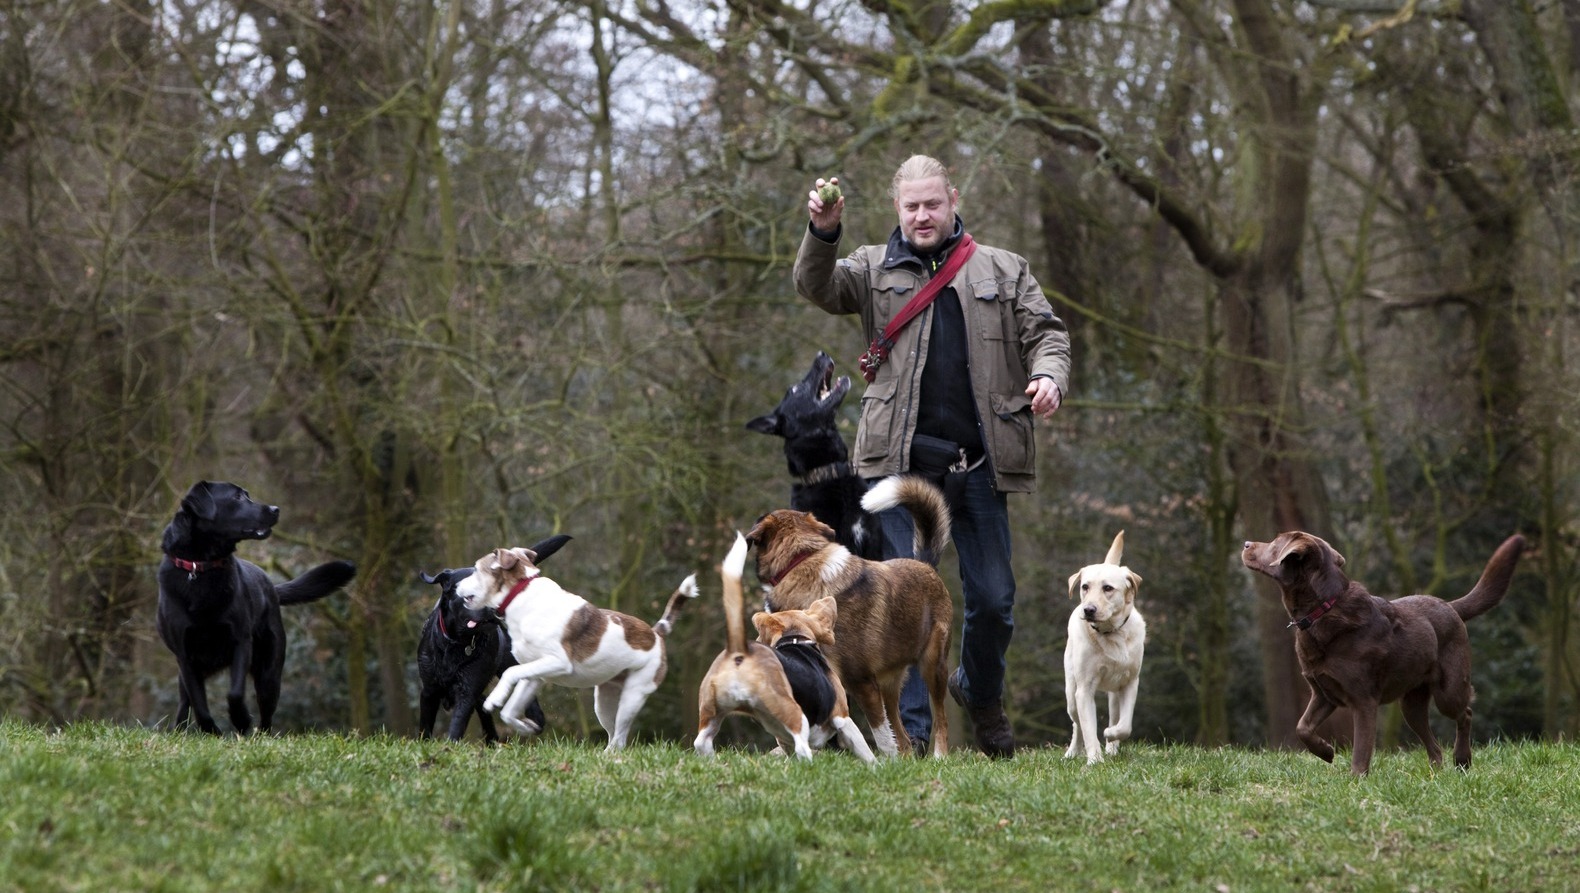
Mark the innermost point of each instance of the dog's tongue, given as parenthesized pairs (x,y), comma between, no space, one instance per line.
(470,624)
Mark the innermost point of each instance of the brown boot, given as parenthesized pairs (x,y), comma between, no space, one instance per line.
(994,735)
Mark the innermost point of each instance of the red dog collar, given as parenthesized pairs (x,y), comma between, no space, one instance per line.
(193,568)
(520,587)
(792,566)
(1306,621)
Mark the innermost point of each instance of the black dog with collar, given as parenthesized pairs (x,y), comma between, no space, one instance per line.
(825,484)
(218,612)
(460,651)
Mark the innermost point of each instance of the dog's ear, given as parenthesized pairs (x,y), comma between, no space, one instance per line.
(505,559)
(1135,585)
(824,612)
(754,537)
(769,627)
(1289,546)
(1305,545)
(1075,580)
(199,501)
(427,579)
(766,424)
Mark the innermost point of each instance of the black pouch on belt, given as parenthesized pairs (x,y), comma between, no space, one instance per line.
(933,456)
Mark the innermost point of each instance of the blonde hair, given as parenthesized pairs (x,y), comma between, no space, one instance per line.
(920,167)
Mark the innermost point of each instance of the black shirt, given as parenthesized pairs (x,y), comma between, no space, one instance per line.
(948,408)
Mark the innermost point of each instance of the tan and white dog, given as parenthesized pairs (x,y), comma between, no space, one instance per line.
(784,682)
(561,638)
(1107,635)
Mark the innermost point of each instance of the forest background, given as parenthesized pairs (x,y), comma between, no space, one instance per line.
(442,276)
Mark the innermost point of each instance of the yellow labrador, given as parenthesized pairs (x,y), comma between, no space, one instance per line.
(1107,636)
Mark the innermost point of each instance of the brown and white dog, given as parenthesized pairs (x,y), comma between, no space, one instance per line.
(1107,638)
(561,638)
(786,684)
(1360,651)
(892,614)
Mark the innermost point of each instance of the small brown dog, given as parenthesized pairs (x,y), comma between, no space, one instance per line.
(786,684)
(892,614)
(1360,651)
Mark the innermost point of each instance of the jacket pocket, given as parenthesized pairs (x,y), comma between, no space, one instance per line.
(1014,446)
(874,435)
(891,289)
(995,315)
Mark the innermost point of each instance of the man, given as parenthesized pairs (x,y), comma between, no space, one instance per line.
(954,398)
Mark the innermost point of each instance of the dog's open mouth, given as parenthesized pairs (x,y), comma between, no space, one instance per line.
(831,388)
(820,381)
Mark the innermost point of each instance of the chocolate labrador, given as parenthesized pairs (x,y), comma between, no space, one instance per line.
(1360,651)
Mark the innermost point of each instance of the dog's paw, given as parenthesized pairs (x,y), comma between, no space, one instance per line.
(1112,748)
(522,726)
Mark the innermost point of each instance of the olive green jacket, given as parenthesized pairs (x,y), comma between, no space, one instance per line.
(1013,335)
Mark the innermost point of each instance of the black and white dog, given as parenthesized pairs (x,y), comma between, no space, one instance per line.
(824,483)
(459,653)
(218,612)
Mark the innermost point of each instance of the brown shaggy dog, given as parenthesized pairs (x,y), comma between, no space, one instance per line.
(891,613)
(1360,651)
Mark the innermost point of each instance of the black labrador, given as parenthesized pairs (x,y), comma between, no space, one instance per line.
(218,612)
(460,651)
(824,483)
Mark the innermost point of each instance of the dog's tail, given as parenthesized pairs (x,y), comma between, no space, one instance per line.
(927,505)
(686,591)
(543,548)
(316,583)
(1494,582)
(731,572)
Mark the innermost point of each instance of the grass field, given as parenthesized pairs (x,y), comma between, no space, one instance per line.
(105,808)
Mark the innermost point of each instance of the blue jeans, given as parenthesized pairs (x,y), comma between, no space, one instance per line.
(980,524)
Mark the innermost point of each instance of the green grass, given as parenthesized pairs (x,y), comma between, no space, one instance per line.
(104,808)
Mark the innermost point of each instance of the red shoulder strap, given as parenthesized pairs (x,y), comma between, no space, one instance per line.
(878,350)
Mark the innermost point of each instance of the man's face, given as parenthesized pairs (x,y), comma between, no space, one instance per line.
(927,212)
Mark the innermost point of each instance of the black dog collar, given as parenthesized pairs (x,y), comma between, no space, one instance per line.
(1306,621)
(795,640)
(825,473)
(1093,625)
